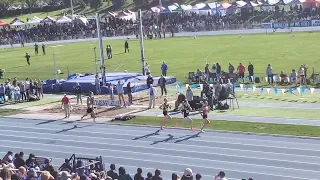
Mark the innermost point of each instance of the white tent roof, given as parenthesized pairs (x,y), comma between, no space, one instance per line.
(198,6)
(241,3)
(48,19)
(63,20)
(34,20)
(17,23)
(293,2)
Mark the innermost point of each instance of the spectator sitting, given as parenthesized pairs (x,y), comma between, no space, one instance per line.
(64,175)
(175,177)
(31,161)
(45,175)
(138,176)
(198,176)
(66,166)
(149,176)
(111,172)
(220,176)
(9,153)
(23,172)
(48,166)
(187,175)
(5,173)
(123,175)
(32,174)
(15,176)
(18,162)
(157,175)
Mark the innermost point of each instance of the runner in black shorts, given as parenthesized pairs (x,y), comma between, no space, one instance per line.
(90,110)
(204,112)
(185,109)
(165,107)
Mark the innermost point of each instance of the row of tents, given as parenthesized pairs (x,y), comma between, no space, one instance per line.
(225,6)
(35,20)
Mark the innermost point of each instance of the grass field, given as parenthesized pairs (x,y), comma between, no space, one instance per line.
(8,112)
(311,131)
(181,54)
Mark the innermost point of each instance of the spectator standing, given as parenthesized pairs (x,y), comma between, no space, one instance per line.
(187,175)
(162,83)
(214,71)
(65,105)
(189,94)
(149,81)
(66,166)
(120,93)
(220,176)
(110,51)
(5,173)
(152,96)
(157,175)
(126,47)
(27,88)
(123,175)
(44,49)
(47,166)
(147,69)
(269,74)
(129,90)
(111,172)
(36,49)
(40,88)
(27,56)
(138,175)
(302,76)
(32,174)
(231,68)
(78,93)
(2,92)
(31,161)
(17,93)
(241,70)
(22,91)
(164,68)
(250,70)
(97,83)
(19,161)
(218,71)
(198,76)
(293,76)
(149,176)
(206,69)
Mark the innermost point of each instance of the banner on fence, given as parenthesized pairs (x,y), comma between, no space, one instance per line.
(315,22)
(282,25)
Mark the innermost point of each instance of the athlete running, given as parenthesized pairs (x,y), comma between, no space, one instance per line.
(185,109)
(165,106)
(204,112)
(90,110)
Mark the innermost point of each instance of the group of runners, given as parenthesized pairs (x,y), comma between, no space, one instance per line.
(185,109)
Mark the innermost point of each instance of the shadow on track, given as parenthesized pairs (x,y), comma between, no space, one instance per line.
(189,137)
(70,122)
(148,135)
(168,139)
(47,122)
(74,127)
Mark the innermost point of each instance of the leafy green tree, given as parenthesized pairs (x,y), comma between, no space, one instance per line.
(95,4)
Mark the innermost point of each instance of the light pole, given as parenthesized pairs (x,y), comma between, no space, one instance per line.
(71,6)
(95,59)
(54,65)
(141,43)
(103,66)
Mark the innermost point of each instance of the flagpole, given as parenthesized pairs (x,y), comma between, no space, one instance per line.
(141,43)
(103,67)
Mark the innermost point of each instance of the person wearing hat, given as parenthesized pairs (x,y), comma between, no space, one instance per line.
(111,172)
(152,96)
(32,174)
(65,175)
(187,175)
(65,105)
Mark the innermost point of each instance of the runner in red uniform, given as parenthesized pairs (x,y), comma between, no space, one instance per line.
(204,112)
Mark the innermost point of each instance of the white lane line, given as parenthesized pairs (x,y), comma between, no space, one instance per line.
(203,135)
(102,140)
(179,145)
(125,166)
(198,140)
(161,162)
(165,156)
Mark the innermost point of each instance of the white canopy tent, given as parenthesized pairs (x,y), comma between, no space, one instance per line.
(63,20)
(48,19)
(18,23)
(34,20)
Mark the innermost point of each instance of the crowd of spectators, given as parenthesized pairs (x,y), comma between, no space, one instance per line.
(19,91)
(157,24)
(14,167)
